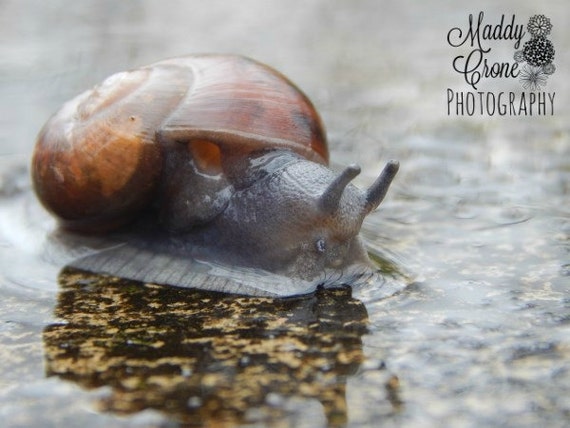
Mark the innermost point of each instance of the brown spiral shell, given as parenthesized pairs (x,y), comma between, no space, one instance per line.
(100,158)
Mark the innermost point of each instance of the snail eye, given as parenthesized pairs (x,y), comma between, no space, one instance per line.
(320,246)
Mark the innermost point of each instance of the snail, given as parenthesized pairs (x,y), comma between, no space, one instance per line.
(214,159)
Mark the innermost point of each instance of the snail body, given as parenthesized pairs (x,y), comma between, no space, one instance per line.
(213,156)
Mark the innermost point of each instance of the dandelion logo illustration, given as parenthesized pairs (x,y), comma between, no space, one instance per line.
(533,78)
(538,53)
(539,25)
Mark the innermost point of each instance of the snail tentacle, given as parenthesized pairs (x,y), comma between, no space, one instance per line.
(376,193)
(330,199)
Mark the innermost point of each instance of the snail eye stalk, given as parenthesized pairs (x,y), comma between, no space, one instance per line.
(330,198)
(375,194)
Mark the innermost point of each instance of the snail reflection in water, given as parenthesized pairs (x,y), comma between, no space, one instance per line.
(209,158)
(202,358)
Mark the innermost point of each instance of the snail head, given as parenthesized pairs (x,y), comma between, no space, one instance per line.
(305,218)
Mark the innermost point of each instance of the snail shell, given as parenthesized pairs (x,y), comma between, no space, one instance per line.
(103,157)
